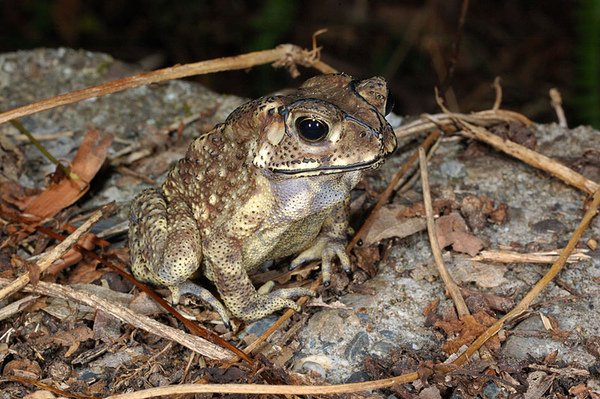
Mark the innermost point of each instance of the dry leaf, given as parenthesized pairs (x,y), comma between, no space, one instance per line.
(452,230)
(548,325)
(430,393)
(23,368)
(87,162)
(486,276)
(387,225)
(366,259)
(538,382)
(71,338)
(466,330)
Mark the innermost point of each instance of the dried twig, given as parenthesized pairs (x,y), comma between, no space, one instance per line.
(451,286)
(556,101)
(269,389)
(286,55)
(481,118)
(39,384)
(534,257)
(528,156)
(16,306)
(57,252)
(498,90)
(197,344)
(44,137)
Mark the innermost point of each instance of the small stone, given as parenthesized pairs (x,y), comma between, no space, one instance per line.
(492,391)
(452,168)
(315,368)
(549,226)
(358,346)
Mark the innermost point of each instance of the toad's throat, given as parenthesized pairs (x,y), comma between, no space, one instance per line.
(326,169)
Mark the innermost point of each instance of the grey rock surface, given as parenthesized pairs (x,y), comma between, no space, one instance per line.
(335,342)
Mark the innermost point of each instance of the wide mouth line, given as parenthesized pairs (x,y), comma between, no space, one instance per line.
(333,169)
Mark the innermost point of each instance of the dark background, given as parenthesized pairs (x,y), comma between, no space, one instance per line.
(531,45)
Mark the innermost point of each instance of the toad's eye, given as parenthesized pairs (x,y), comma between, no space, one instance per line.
(311,129)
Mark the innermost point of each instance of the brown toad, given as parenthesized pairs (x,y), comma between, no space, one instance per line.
(272,181)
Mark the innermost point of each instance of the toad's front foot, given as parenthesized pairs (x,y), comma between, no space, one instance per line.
(325,249)
(262,304)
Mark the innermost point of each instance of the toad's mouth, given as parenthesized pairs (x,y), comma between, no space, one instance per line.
(330,169)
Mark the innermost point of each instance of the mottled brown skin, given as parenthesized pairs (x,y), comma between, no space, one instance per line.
(258,188)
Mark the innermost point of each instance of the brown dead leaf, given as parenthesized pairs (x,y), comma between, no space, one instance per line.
(143,304)
(367,258)
(492,301)
(516,132)
(73,256)
(580,391)
(538,383)
(430,393)
(551,357)
(471,208)
(23,368)
(452,230)
(71,338)
(106,327)
(388,224)
(87,162)
(500,214)
(469,271)
(479,210)
(441,206)
(466,330)
(430,313)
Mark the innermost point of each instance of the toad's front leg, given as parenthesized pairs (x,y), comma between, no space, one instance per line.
(165,247)
(223,257)
(330,243)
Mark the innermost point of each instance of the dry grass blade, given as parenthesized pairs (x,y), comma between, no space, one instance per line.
(285,55)
(66,170)
(533,293)
(451,286)
(57,252)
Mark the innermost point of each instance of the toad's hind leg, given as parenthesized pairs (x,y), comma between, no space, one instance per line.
(165,247)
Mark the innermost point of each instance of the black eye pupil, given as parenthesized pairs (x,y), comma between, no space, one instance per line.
(312,129)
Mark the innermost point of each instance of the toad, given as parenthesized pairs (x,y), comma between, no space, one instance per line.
(273,180)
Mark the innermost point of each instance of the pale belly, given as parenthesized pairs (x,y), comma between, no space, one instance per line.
(278,242)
